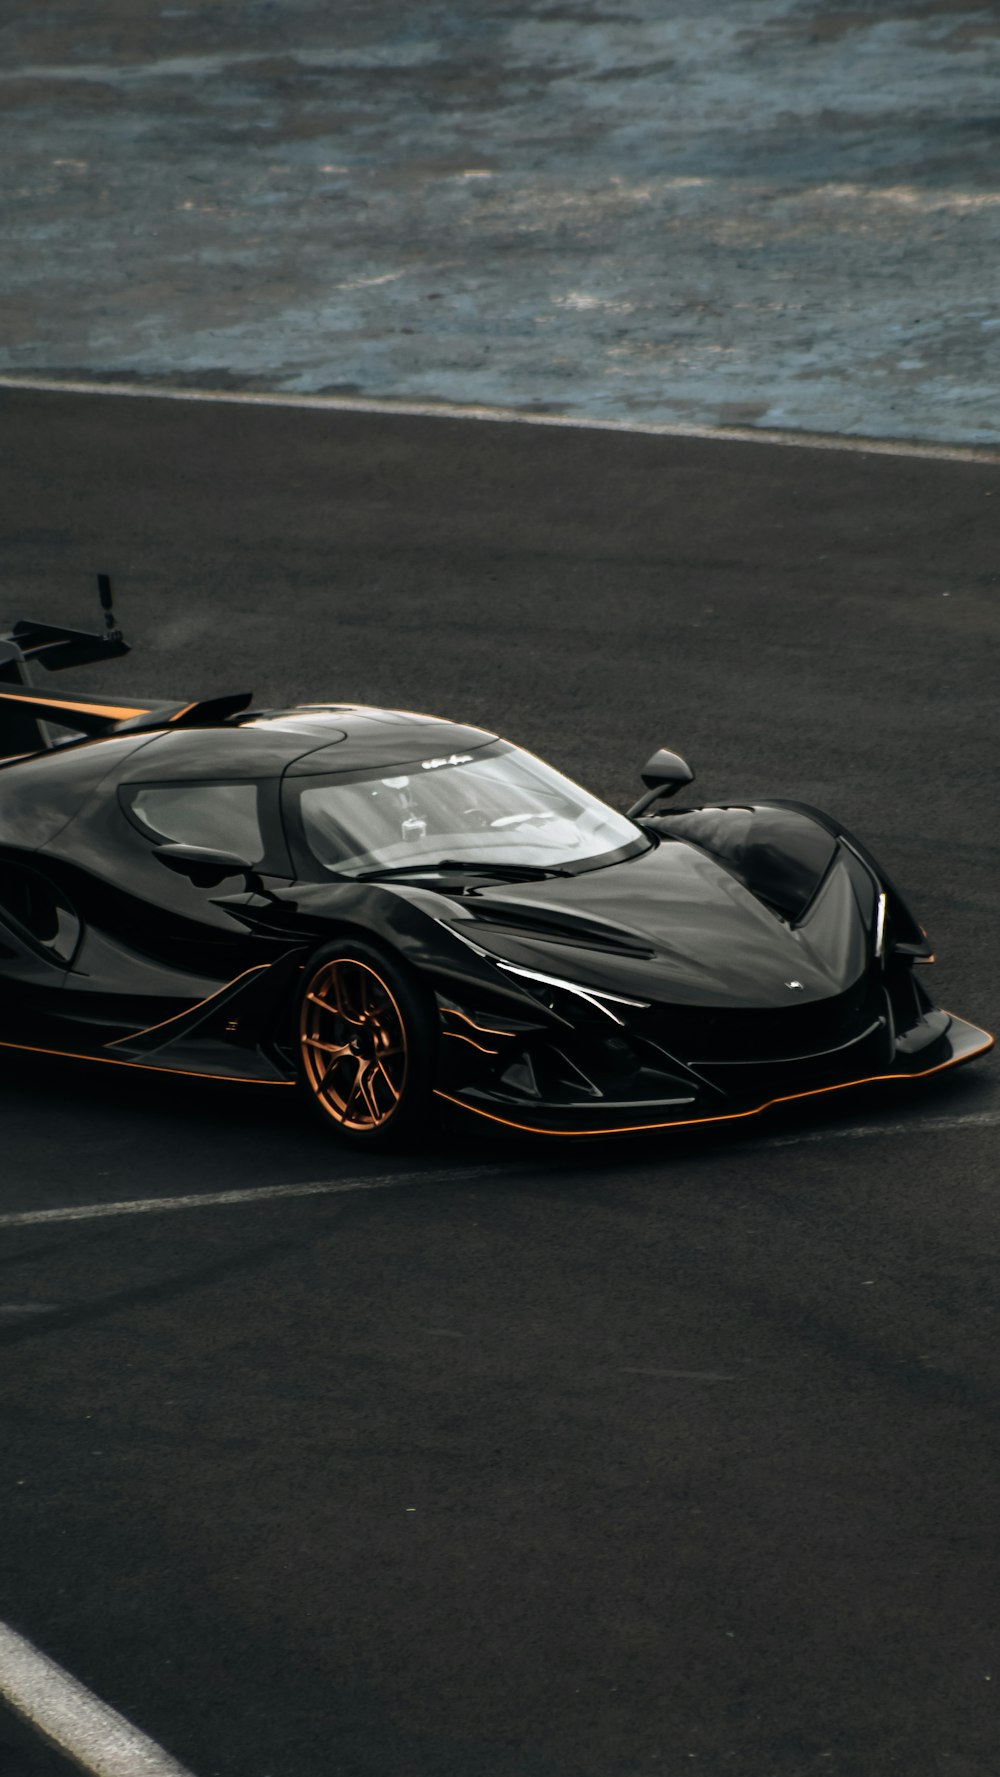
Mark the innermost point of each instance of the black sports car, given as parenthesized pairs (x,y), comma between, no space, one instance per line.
(393,910)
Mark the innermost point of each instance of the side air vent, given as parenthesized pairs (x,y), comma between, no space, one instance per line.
(583,934)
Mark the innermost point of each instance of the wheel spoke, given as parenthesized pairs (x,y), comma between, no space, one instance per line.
(351,1013)
(349,1100)
(360,1081)
(323,1004)
(333,985)
(330,1067)
(388,1080)
(327,1048)
(366,1092)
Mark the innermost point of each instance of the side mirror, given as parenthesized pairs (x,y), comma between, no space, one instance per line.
(201,864)
(663,775)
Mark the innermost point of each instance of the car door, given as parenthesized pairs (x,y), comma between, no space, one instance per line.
(155,943)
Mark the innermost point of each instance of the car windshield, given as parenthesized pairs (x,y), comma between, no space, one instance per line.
(501,807)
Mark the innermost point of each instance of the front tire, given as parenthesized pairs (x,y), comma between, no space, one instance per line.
(366,1040)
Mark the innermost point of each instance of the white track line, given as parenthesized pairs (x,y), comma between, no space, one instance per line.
(88,1212)
(96,1737)
(448,410)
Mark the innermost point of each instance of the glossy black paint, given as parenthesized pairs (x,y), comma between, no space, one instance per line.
(733,959)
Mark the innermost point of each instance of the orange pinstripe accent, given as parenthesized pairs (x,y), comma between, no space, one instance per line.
(255,970)
(146,1067)
(457,1037)
(118,711)
(486,1029)
(179,713)
(726,1116)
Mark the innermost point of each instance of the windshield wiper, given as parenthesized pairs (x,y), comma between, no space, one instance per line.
(470,867)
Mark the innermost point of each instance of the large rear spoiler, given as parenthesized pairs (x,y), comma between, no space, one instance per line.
(28,714)
(54,646)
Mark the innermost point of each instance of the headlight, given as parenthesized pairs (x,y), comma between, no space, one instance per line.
(880,925)
(594,996)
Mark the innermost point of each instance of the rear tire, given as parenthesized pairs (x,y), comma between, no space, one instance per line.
(366,1040)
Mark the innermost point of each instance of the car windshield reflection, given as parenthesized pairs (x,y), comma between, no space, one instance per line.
(497,806)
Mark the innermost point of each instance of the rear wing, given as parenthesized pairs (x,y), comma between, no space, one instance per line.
(55,646)
(33,719)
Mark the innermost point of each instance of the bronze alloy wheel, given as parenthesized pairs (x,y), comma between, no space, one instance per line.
(353,1039)
(367,1033)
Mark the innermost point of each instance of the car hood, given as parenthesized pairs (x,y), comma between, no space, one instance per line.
(673,924)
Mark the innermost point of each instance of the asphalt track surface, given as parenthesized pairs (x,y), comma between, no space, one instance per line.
(620,1461)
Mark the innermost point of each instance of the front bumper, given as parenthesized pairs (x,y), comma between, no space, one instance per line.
(525,1086)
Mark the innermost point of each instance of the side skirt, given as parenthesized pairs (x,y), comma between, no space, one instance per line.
(149,1067)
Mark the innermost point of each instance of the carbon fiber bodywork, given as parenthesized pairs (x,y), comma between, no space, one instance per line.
(727,959)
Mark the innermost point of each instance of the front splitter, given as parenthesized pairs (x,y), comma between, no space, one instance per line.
(961,1042)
